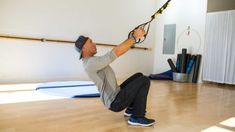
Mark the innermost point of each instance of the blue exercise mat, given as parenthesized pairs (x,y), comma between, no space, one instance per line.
(70,89)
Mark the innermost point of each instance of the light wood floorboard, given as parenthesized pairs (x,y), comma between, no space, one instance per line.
(176,107)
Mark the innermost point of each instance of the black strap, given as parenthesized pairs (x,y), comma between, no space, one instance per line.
(159,11)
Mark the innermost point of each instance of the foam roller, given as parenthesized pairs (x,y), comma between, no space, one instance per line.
(173,68)
(183,61)
(196,68)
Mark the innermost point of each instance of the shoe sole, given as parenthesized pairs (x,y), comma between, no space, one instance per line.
(138,124)
(127,115)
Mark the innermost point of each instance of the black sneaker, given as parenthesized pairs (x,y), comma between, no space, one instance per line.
(128,112)
(141,121)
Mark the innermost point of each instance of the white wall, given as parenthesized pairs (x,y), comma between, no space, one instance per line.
(105,21)
(183,13)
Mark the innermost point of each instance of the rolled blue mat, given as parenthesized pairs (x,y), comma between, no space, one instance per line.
(178,62)
(190,64)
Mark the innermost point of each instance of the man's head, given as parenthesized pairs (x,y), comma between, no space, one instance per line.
(85,47)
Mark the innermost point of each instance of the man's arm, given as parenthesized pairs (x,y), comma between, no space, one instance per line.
(123,47)
(99,62)
(126,45)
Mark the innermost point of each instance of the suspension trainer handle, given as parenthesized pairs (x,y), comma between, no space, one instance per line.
(159,11)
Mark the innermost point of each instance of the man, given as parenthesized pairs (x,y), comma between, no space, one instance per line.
(131,94)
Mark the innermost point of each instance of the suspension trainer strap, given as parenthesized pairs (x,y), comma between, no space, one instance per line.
(159,11)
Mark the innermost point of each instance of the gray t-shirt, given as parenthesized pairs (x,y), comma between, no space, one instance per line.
(99,71)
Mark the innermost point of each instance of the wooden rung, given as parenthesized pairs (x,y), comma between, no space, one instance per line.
(57,41)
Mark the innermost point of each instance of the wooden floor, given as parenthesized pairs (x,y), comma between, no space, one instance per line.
(177,107)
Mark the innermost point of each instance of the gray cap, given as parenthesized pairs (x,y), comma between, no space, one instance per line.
(80,43)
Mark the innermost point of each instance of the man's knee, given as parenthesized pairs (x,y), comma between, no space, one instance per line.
(139,74)
(146,80)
